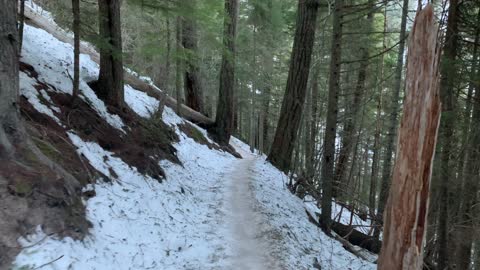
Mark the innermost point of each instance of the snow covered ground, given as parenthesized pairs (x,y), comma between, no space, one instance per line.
(213,212)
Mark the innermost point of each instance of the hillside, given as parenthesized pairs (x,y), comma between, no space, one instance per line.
(156,193)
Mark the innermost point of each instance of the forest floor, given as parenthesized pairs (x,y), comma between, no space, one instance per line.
(210,211)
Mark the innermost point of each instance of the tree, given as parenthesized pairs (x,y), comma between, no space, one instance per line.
(76,47)
(178,75)
(406,211)
(110,80)
(193,86)
(10,128)
(224,119)
(295,92)
(448,70)
(328,159)
(467,216)
(393,113)
(21,25)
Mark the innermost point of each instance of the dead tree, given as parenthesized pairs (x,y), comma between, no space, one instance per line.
(406,211)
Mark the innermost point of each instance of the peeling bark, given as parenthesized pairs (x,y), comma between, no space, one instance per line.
(406,211)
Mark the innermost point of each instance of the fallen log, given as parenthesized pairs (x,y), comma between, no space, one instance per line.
(36,20)
(357,238)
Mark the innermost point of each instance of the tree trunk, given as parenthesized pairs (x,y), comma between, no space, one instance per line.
(392,121)
(178,75)
(312,118)
(294,97)
(193,85)
(76,47)
(332,113)
(224,118)
(169,53)
(376,143)
(9,82)
(110,80)
(446,131)
(406,211)
(350,129)
(21,26)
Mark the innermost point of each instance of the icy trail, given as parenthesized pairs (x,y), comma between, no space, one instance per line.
(249,249)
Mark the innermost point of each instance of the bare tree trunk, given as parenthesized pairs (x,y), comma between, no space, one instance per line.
(312,121)
(192,81)
(407,206)
(331,125)
(76,47)
(224,117)
(294,98)
(9,82)
(21,25)
(376,142)
(178,76)
(110,80)
(392,121)
(168,61)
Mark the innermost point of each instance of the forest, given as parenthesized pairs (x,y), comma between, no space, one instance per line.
(349,124)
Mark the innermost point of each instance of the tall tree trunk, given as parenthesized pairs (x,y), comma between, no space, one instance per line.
(178,75)
(224,117)
(294,97)
(392,121)
(110,80)
(312,122)
(406,211)
(9,82)
(76,47)
(349,130)
(192,82)
(376,141)
(446,130)
(252,92)
(21,26)
(169,53)
(332,113)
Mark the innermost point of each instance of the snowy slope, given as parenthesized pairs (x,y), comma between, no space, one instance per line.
(184,222)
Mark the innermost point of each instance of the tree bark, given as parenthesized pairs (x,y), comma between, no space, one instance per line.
(76,47)
(407,206)
(332,113)
(192,82)
(9,80)
(294,97)
(178,76)
(224,118)
(110,80)
(21,26)
(392,121)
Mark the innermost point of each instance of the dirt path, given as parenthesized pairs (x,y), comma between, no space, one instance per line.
(249,247)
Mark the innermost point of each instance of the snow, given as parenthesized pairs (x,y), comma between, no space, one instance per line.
(212,212)
(140,102)
(31,94)
(53,59)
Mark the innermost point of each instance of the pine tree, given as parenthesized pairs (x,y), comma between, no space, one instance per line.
(295,92)
(110,80)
